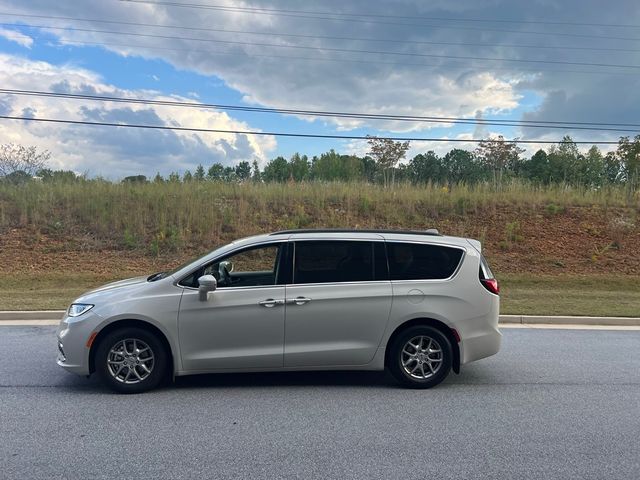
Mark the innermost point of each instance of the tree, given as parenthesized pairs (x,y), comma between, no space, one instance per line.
(629,154)
(158,178)
(174,177)
(425,168)
(460,166)
(17,158)
(498,155)
(216,172)
(243,171)
(387,154)
(277,170)
(256,176)
(62,176)
(590,168)
(612,169)
(537,168)
(563,161)
(198,176)
(187,176)
(299,167)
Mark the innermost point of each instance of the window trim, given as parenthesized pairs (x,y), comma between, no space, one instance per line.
(282,263)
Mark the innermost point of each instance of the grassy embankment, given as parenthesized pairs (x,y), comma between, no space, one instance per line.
(556,250)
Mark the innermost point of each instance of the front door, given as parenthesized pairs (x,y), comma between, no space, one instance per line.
(241,325)
(338,303)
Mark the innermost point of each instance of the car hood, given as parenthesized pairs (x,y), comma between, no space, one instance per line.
(119,284)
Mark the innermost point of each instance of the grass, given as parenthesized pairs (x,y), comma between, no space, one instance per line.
(164,217)
(592,295)
(522,295)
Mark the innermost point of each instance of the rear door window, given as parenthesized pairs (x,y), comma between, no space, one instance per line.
(330,261)
(415,261)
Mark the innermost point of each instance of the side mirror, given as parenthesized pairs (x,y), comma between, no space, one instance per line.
(207,283)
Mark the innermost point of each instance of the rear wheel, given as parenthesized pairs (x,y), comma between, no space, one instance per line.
(131,360)
(420,357)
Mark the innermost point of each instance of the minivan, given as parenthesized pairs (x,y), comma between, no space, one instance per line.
(417,303)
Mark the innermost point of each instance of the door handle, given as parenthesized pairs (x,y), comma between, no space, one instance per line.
(270,302)
(298,301)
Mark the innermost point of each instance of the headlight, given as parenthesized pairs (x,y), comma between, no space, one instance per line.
(77,309)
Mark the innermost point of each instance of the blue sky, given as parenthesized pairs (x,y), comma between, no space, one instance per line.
(35,58)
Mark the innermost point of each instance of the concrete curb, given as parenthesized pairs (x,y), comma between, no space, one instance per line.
(569,320)
(14,315)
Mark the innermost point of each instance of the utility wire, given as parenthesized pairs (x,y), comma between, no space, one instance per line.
(595,126)
(330,49)
(63,42)
(284,134)
(357,20)
(410,17)
(322,37)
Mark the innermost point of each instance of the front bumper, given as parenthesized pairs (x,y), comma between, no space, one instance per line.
(72,335)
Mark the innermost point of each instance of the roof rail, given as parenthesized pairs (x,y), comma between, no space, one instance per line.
(430,231)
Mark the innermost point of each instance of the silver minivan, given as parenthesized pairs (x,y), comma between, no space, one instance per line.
(415,302)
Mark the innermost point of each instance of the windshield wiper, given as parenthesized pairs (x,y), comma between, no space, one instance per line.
(156,276)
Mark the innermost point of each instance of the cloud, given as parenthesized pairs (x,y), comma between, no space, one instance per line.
(116,151)
(17,37)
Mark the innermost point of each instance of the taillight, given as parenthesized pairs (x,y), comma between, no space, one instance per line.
(491,284)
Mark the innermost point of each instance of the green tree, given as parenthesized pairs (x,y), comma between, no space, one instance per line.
(135,179)
(198,176)
(612,169)
(216,172)
(277,170)
(174,177)
(629,154)
(187,176)
(243,171)
(256,176)
(498,156)
(299,167)
(563,161)
(387,154)
(590,168)
(460,166)
(158,178)
(537,168)
(424,168)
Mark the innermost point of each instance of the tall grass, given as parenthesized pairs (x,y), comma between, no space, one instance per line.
(170,215)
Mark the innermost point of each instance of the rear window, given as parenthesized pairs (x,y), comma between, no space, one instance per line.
(414,261)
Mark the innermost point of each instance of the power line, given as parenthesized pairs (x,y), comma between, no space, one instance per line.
(330,49)
(594,126)
(339,60)
(283,134)
(410,17)
(358,20)
(322,37)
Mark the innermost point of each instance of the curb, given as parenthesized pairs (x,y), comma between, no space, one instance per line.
(13,315)
(569,320)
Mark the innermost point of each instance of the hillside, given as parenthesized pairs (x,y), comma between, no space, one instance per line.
(77,235)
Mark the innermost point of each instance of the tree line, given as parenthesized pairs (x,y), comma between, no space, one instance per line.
(495,160)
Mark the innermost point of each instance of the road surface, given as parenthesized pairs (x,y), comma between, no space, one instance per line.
(552,404)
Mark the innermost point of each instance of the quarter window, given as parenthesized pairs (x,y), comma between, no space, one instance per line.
(333,261)
(413,261)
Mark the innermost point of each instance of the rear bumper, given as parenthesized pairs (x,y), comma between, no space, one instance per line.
(481,346)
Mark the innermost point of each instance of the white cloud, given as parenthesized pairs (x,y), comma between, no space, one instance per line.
(109,151)
(17,37)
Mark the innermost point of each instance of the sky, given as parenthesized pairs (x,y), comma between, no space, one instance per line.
(535,60)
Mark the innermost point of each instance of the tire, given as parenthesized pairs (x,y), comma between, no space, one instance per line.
(135,371)
(414,368)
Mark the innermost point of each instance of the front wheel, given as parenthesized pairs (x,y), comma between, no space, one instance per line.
(131,360)
(420,357)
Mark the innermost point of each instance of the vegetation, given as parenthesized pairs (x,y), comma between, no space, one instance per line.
(560,228)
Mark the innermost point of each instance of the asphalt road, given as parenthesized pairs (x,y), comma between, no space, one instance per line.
(553,404)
